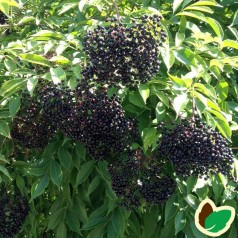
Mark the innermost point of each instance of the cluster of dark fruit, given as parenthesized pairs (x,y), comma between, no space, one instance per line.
(127,55)
(99,122)
(13,212)
(136,178)
(30,127)
(56,101)
(92,118)
(195,149)
(3,18)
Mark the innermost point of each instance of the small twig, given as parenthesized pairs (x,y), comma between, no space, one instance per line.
(117,11)
(193,109)
(234,148)
(4,26)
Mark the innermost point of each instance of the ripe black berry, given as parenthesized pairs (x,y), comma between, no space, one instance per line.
(13,212)
(99,122)
(195,149)
(30,127)
(117,54)
(136,178)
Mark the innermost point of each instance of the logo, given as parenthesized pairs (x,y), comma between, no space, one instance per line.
(213,221)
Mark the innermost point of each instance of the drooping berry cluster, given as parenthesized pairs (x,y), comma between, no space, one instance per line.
(136,178)
(3,18)
(124,54)
(99,122)
(13,212)
(57,102)
(196,149)
(30,127)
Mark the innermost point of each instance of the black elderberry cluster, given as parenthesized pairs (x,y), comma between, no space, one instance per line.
(56,101)
(137,178)
(3,18)
(99,122)
(31,128)
(195,149)
(13,212)
(124,54)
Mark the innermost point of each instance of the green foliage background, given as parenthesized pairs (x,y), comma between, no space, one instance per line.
(71,195)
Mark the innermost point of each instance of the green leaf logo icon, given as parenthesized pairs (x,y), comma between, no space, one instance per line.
(213,221)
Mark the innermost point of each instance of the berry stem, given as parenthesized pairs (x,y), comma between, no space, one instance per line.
(117,11)
(193,109)
(234,148)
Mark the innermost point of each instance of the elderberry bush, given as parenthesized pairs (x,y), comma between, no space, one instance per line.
(13,212)
(136,178)
(195,149)
(99,122)
(124,54)
(30,127)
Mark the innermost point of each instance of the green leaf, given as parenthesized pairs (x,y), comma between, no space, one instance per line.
(59,59)
(67,6)
(94,222)
(93,185)
(160,111)
(191,182)
(180,221)
(230,43)
(163,98)
(10,65)
(222,89)
(144,92)
(233,231)
(199,8)
(215,26)
(112,232)
(136,99)
(4,171)
(55,218)
(44,34)
(72,219)
(179,38)
(26,19)
(14,105)
(192,201)
(185,56)
(180,102)
(194,14)
(217,187)
(118,221)
(235,19)
(176,5)
(223,127)
(205,3)
(149,135)
(39,187)
(61,231)
(57,75)
(55,172)
(10,3)
(11,86)
(171,208)
(168,230)
(35,59)
(84,172)
(4,129)
(65,158)
(217,220)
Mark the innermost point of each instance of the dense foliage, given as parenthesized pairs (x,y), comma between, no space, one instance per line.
(116,120)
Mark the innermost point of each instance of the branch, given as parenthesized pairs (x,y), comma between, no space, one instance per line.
(117,11)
